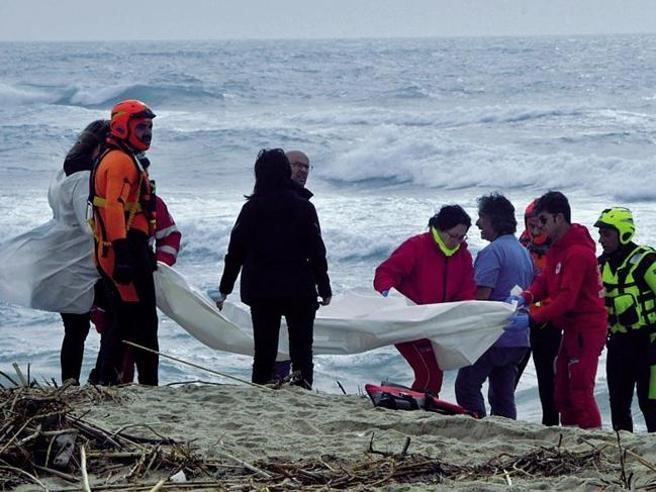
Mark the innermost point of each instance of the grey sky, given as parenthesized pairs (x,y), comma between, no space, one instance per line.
(244,19)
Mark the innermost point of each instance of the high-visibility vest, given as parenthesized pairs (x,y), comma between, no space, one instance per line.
(630,301)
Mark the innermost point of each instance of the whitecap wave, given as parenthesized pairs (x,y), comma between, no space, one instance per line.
(390,154)
(14,96)
(208,243)
(157,94)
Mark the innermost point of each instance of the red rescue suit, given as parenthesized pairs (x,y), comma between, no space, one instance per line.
(424,274)
(572,283)
(167,235)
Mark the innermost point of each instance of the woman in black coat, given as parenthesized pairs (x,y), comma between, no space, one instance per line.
(277,244)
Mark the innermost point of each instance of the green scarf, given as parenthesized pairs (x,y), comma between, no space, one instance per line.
(443,247)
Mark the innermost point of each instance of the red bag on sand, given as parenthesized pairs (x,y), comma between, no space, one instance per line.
(397,397)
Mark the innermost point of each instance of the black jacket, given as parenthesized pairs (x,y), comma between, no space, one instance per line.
(277,241)
(302,191)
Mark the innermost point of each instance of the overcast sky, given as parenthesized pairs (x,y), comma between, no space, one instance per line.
(28,20)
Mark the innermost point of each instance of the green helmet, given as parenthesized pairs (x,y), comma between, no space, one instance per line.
(620,219)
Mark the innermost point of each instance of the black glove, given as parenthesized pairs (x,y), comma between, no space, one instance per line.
(123,263)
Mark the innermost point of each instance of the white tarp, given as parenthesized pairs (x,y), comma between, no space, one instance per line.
(460,331)
(51,267)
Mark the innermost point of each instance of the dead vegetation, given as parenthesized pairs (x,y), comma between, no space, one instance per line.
(46,442)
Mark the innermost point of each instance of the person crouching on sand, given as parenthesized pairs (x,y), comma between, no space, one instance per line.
(430,268)
(276,243)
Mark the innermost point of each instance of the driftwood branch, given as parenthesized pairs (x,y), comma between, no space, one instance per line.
(32,418)
(83,466)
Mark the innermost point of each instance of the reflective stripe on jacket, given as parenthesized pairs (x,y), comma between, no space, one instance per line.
(117,185)
(167,235)
(121,191)
(630,299)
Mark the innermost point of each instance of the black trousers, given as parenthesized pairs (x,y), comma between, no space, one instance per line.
(267,315)
(76,329)
(132,321)
(627,367)
(545,342)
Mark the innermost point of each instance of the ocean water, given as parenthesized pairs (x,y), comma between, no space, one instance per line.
(394,129)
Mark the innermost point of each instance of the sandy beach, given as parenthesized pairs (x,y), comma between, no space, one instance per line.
(242,426)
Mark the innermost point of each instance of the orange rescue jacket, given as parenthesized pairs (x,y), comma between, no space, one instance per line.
(121,194)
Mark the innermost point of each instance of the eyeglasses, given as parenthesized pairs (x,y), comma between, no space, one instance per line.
(301,165)
(544,218)
(457,237)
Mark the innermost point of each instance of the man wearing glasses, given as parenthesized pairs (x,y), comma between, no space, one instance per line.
(300,165)
(569,293)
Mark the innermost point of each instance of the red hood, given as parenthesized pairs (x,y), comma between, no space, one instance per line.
(577,235)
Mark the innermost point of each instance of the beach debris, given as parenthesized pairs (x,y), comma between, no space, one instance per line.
(44,435)
(47,442)
(404,451)
(402,468)
(179,477)
(624,479)
(23,380)
(65,447)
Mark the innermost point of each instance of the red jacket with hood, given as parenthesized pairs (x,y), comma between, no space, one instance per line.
(167,235)
(572,283)
(421,272)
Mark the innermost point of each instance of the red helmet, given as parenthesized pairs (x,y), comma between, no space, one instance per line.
(531,212)
(531,209)
(124,117)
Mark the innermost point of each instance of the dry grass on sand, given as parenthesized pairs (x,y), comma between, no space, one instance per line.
(225,437)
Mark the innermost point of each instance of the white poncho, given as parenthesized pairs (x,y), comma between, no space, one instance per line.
(51,267)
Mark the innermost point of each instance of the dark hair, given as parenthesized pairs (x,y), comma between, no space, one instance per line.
(500,211)
(94,134)
(448,217)
(554,202)
(81,156)
(272,172)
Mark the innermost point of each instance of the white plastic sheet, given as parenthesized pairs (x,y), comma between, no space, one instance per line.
(51,267)
(460,331)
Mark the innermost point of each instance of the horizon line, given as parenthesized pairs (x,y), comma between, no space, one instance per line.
(341,38)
